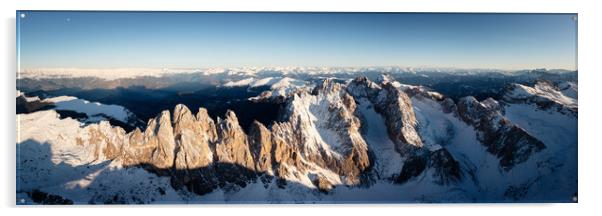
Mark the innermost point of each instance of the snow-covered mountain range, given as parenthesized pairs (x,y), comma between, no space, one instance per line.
(335,141)
(121,73)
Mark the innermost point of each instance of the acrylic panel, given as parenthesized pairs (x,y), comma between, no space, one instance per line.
(151,107)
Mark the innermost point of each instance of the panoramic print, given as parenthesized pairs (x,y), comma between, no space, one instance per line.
(124,107)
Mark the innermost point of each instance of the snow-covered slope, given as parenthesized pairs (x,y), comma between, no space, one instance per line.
(242,82)
(94,111)
(272,82)
(53,156)
(545,95)
(279,87)
(569,89)
(556,167)
(388,161)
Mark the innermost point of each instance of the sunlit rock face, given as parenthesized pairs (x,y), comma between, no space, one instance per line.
(321,132)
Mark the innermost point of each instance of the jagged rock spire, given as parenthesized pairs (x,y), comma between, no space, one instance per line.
(232,145)
(260,140)
(159,134)
(193,151)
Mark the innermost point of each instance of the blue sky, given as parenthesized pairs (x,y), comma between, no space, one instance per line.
(199,40)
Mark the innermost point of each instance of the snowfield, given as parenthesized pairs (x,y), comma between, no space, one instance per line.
(95,111)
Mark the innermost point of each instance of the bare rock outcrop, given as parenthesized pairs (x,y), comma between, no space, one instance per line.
(234,161)
(30,104)
(440,164)
(396,108)
(260,139)
(286,151)
(159,133)
(400,118)
(322,183)
(154,147)
(107,140)
(446,169)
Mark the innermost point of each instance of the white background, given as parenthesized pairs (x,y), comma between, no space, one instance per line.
(590,84)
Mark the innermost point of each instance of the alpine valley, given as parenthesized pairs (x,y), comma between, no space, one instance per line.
(296,135)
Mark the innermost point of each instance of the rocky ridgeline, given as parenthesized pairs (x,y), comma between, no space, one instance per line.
(203,154)
(394,104)
(318,138)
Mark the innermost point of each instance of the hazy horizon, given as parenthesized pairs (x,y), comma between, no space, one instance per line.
(281,67)
(200,40)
